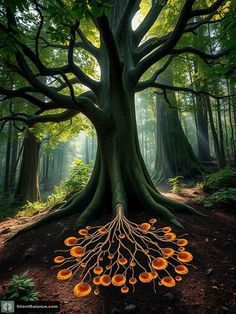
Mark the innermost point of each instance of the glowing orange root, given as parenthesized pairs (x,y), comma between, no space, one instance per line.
(121,253)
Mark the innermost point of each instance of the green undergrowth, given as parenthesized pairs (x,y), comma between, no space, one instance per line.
(79,174)
(21,288)
(221,186)
(176,184)
(224,178)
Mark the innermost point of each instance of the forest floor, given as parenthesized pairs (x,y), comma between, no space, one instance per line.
(207,289)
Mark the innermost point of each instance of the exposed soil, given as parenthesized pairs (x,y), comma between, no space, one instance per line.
(208,289)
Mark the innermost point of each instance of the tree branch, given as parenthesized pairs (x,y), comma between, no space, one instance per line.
(208,10)
(131,8)
(202,54)
(169,43)
(32,120)
(87,45)
(149,20)
(181,89)
(104,28)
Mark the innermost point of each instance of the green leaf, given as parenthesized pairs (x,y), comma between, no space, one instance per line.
(209,271)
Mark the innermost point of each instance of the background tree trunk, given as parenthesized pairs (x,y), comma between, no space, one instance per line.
(174,153)
(28,187)
(8,160)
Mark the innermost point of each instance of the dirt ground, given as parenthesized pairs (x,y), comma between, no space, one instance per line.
(208,289)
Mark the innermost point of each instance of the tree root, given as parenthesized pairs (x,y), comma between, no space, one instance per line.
(88,203)
(172,205)
(83,199)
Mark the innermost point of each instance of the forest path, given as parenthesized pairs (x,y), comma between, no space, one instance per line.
(207,289)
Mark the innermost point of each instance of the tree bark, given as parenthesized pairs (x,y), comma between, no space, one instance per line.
(8,160)
(28,187)
(219,158)
(174,153)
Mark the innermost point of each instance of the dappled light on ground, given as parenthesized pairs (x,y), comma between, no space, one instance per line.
(122,253)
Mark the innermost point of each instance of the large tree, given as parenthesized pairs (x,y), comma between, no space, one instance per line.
(39,34)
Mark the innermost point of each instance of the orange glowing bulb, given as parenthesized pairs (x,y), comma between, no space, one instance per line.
(82,289)
(182,242)
(102,230)
(118,280)
(64,274)
(168,251)
(184,256)
(168,281)
(181,269)
(122,261)
(132,281)
(154,274)
(159,263)
(145,226)
(70,241)
(98,270)
(105,280)
(166,229)
(96,280)
(121,235)
(124,289)
(77,251)
(170,236)
(59,259)
(153,221)
(145,277)
(83,232)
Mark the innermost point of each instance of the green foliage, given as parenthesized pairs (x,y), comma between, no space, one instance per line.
(225,178)
(225,196)
(176,184)
(79,176)
(21,288)
(30,208)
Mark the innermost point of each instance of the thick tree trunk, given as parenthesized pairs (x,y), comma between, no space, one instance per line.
(119,175)
(28,187)
(174,153)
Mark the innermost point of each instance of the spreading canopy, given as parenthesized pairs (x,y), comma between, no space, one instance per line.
(56,54)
